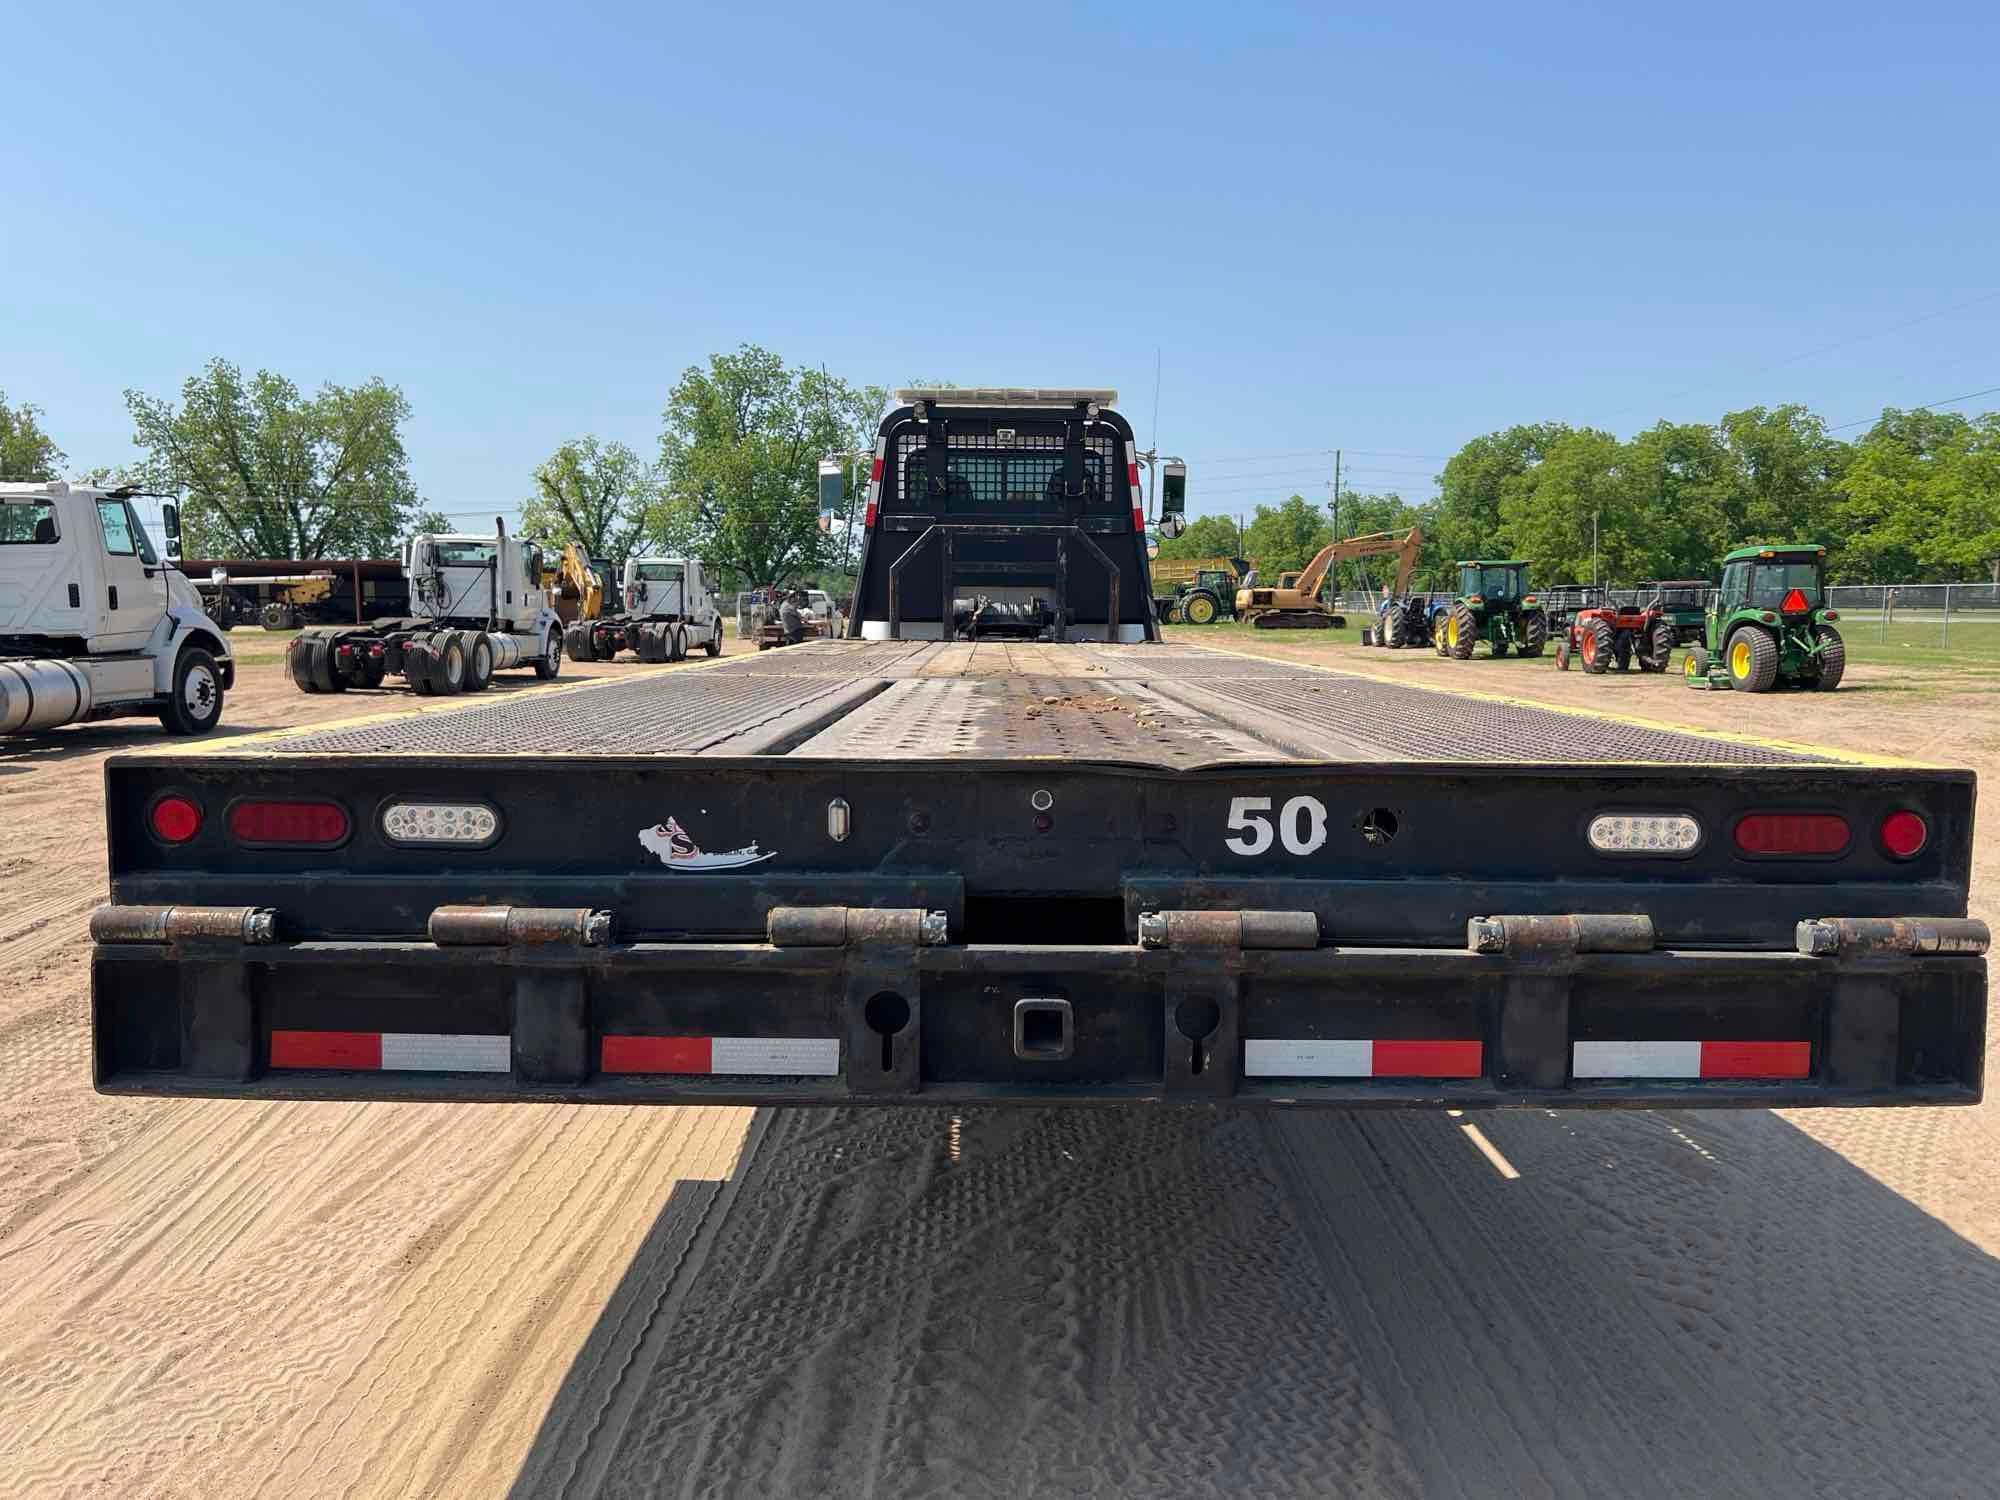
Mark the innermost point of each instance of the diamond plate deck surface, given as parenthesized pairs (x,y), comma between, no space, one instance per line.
(997,700)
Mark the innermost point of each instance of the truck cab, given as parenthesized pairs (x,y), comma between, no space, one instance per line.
(455,576)
(1004,512)
(93,623)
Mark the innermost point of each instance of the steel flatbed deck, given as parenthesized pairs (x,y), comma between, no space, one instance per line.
(900,871)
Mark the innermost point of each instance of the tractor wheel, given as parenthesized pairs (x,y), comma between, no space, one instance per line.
(1597,646)
(1200,608)
(1174,615)
(1461,633)
(1621,650)
(1441,634)
(1367,635)
(1394,630)
(1534,632)
(1752,659)
(1658,648)
(1696,665)
(1832,658)
(1562,652)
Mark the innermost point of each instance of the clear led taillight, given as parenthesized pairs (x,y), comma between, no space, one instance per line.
(1644,833)
(460,823)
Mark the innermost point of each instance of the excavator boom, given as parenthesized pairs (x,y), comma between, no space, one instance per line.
(1296,604)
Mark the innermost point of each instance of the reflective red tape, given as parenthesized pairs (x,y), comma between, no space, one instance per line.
(326,1049)
(1756,1059)
(657,1054)
(1427,1059)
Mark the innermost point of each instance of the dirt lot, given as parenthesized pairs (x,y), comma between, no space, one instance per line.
(228,1300)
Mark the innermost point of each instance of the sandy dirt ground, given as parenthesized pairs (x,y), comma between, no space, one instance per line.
(222,1300)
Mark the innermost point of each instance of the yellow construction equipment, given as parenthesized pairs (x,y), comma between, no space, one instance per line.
(1294,603)
(574,586)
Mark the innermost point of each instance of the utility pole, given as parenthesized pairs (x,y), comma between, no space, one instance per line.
(1595,516)
(1336,494)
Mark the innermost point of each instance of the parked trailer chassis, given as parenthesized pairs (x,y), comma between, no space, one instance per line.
(1077,904)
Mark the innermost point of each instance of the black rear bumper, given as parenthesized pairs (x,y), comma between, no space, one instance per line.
(961,1023)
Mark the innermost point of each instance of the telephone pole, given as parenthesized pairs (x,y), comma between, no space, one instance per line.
(1336,494)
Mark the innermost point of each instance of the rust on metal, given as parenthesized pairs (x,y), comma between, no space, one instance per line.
(846,926)
(1881,937)
(179,924)
(1229,929)
(503,926)
(1578,932)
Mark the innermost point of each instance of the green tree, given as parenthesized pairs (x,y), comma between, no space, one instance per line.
(1787,472)
(1480,477)
(602,496)
(26,452)
(265,471)
(1206,536)
(739,460)
(1548,512)
(1283,538)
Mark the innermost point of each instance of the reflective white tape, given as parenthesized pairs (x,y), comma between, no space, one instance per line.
(445,1052)
(796,1055)
(1308,1059)
(1636,1060)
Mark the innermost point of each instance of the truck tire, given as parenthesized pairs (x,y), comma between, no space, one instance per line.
(1461,633)
(713,645)
(576,640)
(297,667)
(373,670)
(194,704)
(479,659)
(325,666)
(549,663)
(1597,646)
(1751,659)
(417,666)
(1832,658)
(1534,633)
(448,663)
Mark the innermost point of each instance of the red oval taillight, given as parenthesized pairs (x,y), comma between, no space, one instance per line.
(1904,835)
(315,825)
(175,820)
(1791,833)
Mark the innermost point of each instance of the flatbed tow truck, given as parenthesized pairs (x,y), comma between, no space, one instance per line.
(897,870)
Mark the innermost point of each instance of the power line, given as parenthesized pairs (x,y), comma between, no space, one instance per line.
(1926,406)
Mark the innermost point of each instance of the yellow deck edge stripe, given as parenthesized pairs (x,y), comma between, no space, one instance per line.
(456,704)
(1727,736)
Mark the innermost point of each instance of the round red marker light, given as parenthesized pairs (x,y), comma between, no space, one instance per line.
(1904,835)
(175,820)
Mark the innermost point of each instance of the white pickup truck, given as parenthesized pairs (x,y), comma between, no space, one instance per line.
(93,624)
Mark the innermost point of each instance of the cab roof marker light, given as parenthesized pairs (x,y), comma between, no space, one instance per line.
(995,395)
(419,824)
(1644,833)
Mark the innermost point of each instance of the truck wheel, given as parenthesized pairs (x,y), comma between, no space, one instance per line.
(1534,633)
(1832,658)
(195,703)
(676,643)
(417,666)
(325,666)
(297,667)
(448,663)
(1596,647)
(1752,659)
(1461,633)
(550,661)
(713,645)
(478,660)
(373,669)
(576,640)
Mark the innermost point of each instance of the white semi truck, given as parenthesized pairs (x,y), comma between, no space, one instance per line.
(93,623)
(479,608)
(670,610)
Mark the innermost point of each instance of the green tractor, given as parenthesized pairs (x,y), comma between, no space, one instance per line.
(1493,605)
(1769,624)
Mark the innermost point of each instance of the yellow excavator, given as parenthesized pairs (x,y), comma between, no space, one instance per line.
(576,592)
(1294,603)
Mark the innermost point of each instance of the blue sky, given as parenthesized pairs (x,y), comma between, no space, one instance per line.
(1384,229)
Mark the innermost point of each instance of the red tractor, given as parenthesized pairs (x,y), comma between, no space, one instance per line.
(1603,637)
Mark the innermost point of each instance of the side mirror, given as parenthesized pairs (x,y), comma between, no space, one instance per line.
(832,488)
(1173,490)
(170,519)
(1171,525)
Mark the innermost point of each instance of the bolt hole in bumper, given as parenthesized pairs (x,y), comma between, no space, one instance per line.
(841,1005)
